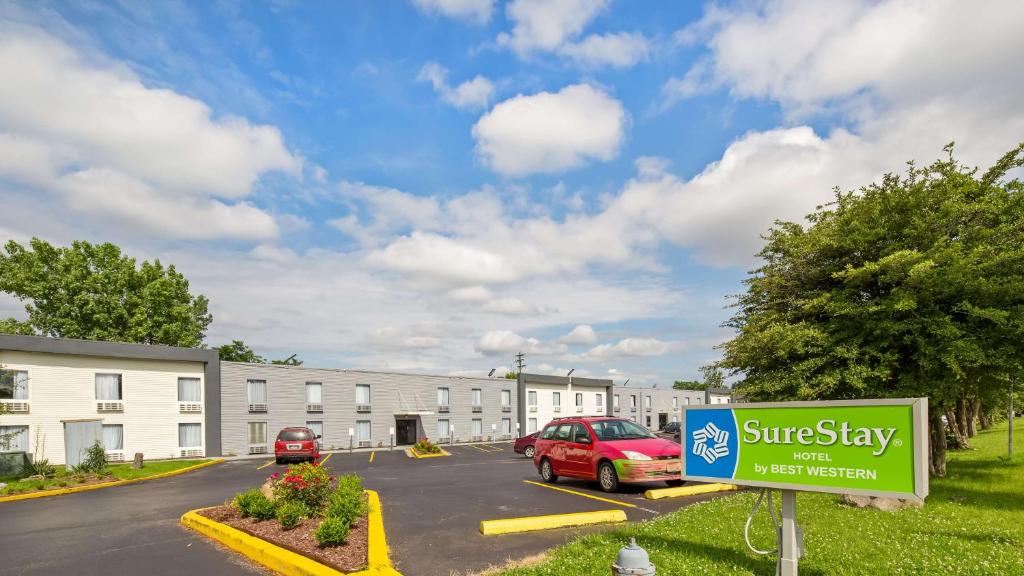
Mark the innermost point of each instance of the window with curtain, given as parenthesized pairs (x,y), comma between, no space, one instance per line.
(632,401)
(17,438)
(476,393)
(597,402)
(579,399)
(363,394)
(506,397)
(531,425)
(506,426)
(191,435)
(13,385)
(189,390)
(687,400)
(314,393)
(478,427)
(647,401)
(257,391)
(362,430)
(615,401)
(675,402)
(442,428)
(442,396)
(113,437)
(531,397)
(108,387)
(556,398)
(257,433)
(317,426)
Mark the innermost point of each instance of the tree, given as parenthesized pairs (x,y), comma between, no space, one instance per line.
(94,292)
(713,378)
(289,361)
(910,287)
(689,385)
(237,351)
(511,375)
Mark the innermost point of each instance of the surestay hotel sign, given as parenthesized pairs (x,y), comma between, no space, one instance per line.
(861,447)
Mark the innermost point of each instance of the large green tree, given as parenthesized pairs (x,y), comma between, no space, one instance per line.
(913,286)
(94,292)
(239,351)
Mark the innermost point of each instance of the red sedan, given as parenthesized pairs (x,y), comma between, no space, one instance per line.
(525,444)
(296,443)
(608,450)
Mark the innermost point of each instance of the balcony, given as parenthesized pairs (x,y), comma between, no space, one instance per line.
(443,408)
(257,408)
(314,407)
(190,407)
(16,406)
(363,408)
(110,406)
(506,408)
(478,408)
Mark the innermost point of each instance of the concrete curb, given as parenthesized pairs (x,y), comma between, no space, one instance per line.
(86,488)
(289,563)
(550,522)
(659,493)
(414,454)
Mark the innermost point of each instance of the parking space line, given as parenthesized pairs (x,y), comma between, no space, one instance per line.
(326,458)
(491,448)
(475,447)
(265,465)
(372,454)
(584,494)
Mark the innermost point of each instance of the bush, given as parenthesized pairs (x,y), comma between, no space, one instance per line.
(95,459)
(252,503)
(425,446)
(347,502)
(38,467)
(331,532)
(307,483)
(291,514)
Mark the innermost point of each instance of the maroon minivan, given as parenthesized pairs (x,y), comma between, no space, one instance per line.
(298,444)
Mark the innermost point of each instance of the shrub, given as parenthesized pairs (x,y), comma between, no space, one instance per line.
(38,467)
(425,446)
(291,514)
(95,459)
(307,483)
(346,505)
(331,532)
(252,503)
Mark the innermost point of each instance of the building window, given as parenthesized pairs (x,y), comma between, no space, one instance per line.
(443,396)
(598,400)
(191,435)
(476,393)
(531,425)
(362,395)
(556,398)
(108,387)
(579,399)
(13,385)
(632,401)
(442,428)
(113,437)
(506,426)
(257,433)
(615,401)
(675,402)
(648,421)
(687,400)
(506,397)
(189,390)
(531,397)
(314,394)
(317,426)
(478,427)
(17,438)
(647,402)
(257,391)
(362,431)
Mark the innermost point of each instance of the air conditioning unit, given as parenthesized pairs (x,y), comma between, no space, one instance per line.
(648,408)
(478,408)
(506,408)
(579,409)
(599,409)
(190,407)
(616,408)
(533,408)
(632,408)
(362,408)
(257,407)
(252,450)
(110,406)
(364,444)
(314,407)
(115,456)
(444,408)
(17,407)
(556,409)
(198,452)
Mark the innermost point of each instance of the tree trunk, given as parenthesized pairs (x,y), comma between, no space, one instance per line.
(937,444)
(983,417)
(959,438)
(973,409)
(963,417)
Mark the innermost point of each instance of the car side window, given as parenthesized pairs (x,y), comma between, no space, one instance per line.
(580,434)
(549,432)
(564,432)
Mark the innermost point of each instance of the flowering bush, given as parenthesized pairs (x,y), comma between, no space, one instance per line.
(425,446)
(309,484)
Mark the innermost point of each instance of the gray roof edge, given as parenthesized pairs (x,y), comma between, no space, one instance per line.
(545,379)
(46,344)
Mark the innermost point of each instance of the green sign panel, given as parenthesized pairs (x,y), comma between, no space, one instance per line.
(869,447)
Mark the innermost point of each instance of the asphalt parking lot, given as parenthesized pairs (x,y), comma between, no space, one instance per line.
(432,511)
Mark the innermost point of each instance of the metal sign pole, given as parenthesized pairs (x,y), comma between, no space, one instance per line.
(789,549)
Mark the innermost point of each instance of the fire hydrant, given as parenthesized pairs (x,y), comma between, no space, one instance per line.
(632,561)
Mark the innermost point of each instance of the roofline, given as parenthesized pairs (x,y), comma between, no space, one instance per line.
(77,347)
(368,371)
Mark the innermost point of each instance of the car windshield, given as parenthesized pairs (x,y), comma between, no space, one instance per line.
(619,430)
(294,435)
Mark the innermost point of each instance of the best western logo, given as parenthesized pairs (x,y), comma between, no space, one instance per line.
(822,434)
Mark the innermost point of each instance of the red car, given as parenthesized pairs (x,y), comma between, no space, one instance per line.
(296,443)
(608,450)
(525,444)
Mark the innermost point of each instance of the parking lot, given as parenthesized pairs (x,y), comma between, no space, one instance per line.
(432,511)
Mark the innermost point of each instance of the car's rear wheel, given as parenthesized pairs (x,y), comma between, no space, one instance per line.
(674,483)
(529,452)
(607,478)
(547,472)
(278,461)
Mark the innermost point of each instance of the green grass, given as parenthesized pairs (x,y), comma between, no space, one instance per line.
(64,479)
(972,523)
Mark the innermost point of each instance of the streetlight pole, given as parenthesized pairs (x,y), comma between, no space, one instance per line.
(1010,446)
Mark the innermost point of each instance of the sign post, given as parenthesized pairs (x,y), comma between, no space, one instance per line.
(859,447)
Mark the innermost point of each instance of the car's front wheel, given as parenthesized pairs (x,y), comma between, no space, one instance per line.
(529,452)
(607,478)
(547,472)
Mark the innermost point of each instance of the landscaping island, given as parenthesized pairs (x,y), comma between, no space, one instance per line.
(972,523)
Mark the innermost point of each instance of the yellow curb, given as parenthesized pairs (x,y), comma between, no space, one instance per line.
(289,563)
(86,488)
(534,523)
(659,493)
(414,454)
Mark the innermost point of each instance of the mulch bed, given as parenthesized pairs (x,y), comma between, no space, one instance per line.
(349,557)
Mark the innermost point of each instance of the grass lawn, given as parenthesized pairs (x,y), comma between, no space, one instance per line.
(972,523)
(64,479)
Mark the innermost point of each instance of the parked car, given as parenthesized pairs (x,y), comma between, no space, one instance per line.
(608,450)
(296,444)
(525,445)
(670,428)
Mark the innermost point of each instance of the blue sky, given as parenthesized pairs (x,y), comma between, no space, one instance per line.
(434,185)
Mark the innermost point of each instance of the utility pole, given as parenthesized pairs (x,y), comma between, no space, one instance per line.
(1010,447)
(520,362)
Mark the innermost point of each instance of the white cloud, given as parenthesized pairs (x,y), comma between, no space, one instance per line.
(445,259)
(498,342)
(403,338)
(475,11)
(639,347)
(581,334)
(555,25)
(390,211)
(471,94)
(551,132)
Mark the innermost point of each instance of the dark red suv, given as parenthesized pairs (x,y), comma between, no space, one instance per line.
(297,444)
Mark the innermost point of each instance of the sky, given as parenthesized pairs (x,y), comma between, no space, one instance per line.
(436,185)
